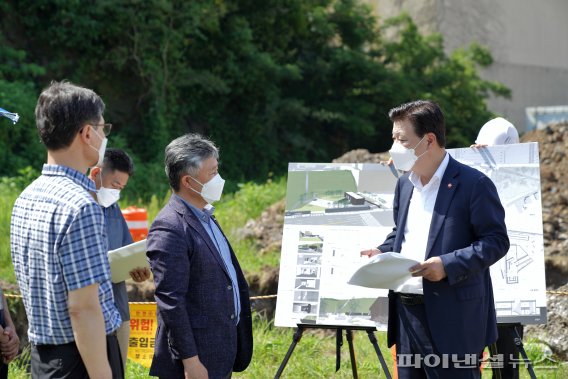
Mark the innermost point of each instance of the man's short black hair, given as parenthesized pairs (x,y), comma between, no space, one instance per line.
(118,160)
(425,116)
(62,110)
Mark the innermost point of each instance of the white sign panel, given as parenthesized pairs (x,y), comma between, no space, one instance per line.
(518,279)
(333,211)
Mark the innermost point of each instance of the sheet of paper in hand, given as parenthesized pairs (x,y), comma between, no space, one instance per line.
(125,259)
(386,270)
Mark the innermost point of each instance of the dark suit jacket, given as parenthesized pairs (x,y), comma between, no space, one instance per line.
(468,233)
(195,298)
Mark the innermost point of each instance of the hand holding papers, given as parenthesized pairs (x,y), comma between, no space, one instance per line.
(125,259)
(386,270)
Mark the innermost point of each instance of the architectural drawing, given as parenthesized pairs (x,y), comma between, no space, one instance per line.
(333,211)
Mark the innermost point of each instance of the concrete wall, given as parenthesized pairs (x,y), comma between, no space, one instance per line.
(527,38)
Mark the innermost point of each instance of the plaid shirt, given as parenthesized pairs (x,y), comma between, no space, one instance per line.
(58,244)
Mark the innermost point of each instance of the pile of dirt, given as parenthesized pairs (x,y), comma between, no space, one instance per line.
(266,230)
(553,145)
(261,284)
(362,156)
(555,332)
(140,291)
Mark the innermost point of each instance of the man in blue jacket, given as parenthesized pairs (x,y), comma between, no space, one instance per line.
(204,314)
(110,178)
(449,217)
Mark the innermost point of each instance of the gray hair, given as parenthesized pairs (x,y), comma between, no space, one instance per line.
(185,155)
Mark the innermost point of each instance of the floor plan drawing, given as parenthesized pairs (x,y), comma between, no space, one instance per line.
(519,284)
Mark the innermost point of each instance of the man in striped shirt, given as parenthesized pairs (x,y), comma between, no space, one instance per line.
(59,247)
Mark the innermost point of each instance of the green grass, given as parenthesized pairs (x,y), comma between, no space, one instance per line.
(314,357)
(6,203)
(234,210)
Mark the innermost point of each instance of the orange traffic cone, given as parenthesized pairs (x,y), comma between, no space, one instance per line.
(137,221)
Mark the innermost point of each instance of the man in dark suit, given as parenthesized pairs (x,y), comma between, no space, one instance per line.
(204,315)
(449,217)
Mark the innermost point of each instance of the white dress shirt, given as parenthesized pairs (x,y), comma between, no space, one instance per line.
(417,226)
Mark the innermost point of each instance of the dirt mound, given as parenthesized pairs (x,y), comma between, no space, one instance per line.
(553,333)
(140,291)
(261,284)
(267,229)
(553,145)
(362,156)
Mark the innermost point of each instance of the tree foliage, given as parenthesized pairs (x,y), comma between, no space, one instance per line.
(270,81)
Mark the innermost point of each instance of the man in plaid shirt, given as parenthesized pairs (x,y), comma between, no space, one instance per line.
(58,244)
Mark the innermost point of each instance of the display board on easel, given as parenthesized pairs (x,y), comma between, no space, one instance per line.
(333,211)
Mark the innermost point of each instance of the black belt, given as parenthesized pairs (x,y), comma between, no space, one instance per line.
(411,298)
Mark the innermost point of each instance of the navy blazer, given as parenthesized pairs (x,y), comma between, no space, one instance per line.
(195,299)
(468,233)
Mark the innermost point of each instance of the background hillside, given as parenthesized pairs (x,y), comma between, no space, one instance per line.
(270,82)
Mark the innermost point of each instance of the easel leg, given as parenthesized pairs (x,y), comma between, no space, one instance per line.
(375,344)
(295,340)
(520,347)
(349,334)
(493,353)
(338,344)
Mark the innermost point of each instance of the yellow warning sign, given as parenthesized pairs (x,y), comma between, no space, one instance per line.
(143,325)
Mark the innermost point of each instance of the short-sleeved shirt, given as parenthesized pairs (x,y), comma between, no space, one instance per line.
(58,244)
(118,236)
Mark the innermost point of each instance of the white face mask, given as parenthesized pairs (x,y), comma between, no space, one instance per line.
(404,158)
(101,150)
(212,190)
(107,196)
